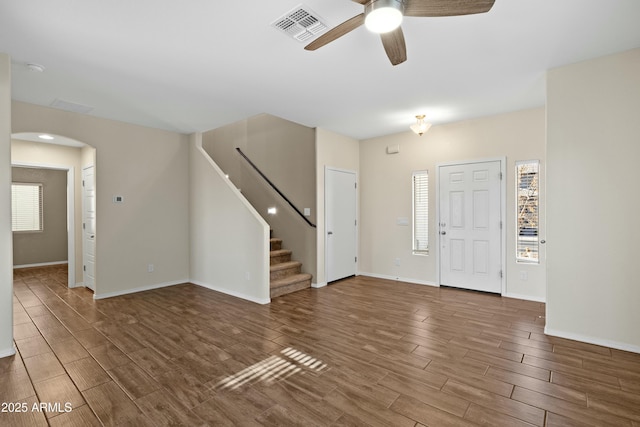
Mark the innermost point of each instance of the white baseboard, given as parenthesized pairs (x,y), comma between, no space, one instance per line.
(78,285)
(232,293)
(319,285)
(397,279)
(592,340)
(524,297)
(7,352)
(140,289)
(42,264)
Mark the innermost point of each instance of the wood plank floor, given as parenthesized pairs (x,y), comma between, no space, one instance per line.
(359,352)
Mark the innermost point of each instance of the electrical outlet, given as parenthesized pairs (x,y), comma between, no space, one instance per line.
(397,262)
(150,268)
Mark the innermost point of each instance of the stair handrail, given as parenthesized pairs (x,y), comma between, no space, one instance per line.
(286,199)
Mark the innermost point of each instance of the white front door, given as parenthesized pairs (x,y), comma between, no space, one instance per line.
(340,207)
(89,227)
(470,206)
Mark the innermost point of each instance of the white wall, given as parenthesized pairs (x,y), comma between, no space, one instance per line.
(6,246)
(385,193)
(149,168)
(593,147)
(229,240)
(336,151)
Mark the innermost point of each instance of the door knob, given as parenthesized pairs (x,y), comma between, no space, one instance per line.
(329,233)
(443,232)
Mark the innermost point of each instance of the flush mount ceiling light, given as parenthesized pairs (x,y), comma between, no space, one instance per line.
(382,16)
(420,126)
(36,68)
(45,137)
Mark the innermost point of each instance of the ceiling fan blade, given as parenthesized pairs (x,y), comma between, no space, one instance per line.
(334,33)
(446,7)
(394,45)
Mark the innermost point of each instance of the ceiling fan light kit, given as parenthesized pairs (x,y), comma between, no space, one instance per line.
(382,16)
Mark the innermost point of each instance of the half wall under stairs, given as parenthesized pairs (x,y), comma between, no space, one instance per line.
(286,275)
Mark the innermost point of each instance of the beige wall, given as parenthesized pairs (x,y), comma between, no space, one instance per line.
(385,193)
(229,239)
(335,151)
(149,168)
(50,244)
(593,147)
(6,246)
(28,152)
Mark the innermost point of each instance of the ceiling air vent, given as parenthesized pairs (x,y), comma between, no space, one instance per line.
(70,106)
(300,23)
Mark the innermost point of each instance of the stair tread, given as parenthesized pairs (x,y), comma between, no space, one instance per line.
(284,265)
(295,278)
(279,252)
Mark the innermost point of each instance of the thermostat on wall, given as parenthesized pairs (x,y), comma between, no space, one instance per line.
(118,199)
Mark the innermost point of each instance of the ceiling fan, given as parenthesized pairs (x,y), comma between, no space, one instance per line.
(384,17)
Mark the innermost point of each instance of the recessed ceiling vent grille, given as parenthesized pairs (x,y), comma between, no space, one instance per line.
(300,23)
(71,106)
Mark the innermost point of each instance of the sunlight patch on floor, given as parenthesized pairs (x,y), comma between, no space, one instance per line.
(273,368)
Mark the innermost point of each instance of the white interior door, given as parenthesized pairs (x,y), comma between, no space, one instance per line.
(340,207)
(470,207)
(89,227)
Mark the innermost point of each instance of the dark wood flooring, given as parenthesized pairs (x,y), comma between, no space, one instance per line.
(360,352)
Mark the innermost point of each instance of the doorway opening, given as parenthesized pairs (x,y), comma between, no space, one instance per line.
(62,154)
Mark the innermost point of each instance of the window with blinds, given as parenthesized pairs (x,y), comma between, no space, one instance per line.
(420,184)
(527,194)
(26,207)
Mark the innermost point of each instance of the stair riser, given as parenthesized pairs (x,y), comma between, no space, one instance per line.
(281,274)
(279,259)
(290,288)
(275,246)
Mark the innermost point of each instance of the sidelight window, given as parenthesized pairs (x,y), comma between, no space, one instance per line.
(421,212)
(527,196)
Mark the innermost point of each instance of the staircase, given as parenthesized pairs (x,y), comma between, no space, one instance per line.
(286,275)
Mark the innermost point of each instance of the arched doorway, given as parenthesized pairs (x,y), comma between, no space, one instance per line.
(54,152)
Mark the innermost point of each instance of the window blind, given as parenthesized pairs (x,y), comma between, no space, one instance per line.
(26,207)
(421,212)
(527,196)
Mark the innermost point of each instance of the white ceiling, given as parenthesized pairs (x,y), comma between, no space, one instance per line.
(196,65)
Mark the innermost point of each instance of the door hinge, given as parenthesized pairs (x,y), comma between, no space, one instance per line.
(84,268)
(84,226)
(500,225)
(356,259)
(355,222)
(501,274)
(355,185)
(500,176)
(83,182)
